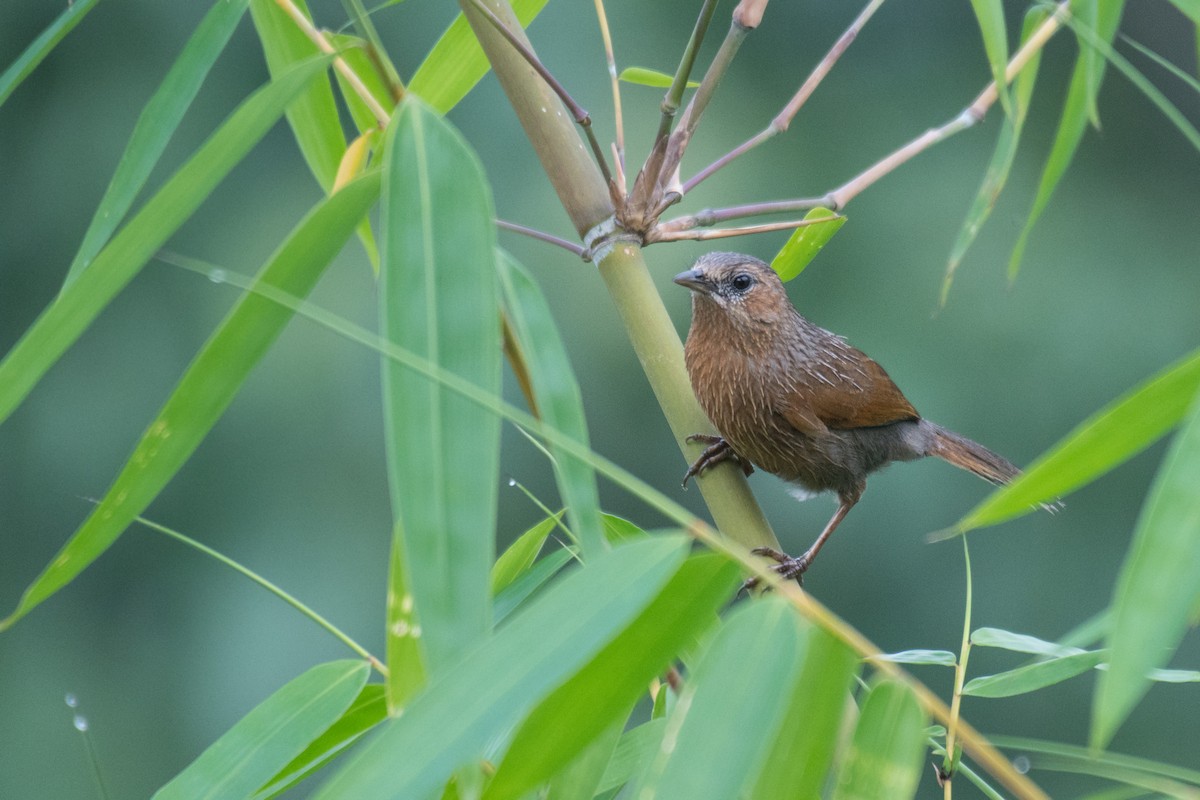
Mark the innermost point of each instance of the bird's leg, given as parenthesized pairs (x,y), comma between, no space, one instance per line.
(790,567)
(718,450)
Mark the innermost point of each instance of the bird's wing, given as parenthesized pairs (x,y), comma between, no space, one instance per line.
(843,390)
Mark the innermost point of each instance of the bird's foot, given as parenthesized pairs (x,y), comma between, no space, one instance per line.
(788,567)
(718,450)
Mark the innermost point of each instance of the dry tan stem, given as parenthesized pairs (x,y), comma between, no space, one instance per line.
(658,235)
(784,118)
(318,38)
(711,216)
(618,120)
(542,236)
(966,118)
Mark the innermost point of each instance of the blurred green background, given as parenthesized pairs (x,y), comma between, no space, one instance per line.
(165,649)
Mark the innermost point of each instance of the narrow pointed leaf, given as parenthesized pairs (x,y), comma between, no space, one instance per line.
(40,47)
(555,732)
(990,16)
(579,779)
(1032,677)
(438,298)
(156,125)
(365,712)
(803,747)
(74,309)
(485,694)
(313,115)
(1002,158)
(456,63)
(1020,643)
(521,554)
(943,658)
(884,761)
(528,582)
(804,243)
(210,383)
(1098,17)
(633,755)
(1115,766)
(720,732)
(354,51)
(1085,84)
(650,77)
(558,398)
(270,736)
(1109,437)
(1159,584)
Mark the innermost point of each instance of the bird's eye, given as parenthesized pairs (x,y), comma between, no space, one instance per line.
(741,282)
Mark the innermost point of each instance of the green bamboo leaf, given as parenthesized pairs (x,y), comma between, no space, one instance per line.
(1032,677)
(1189,8)
(270,736)
(555,732)
(990,16)
(1020,643)
(1192,83)
(456,63)
(558,398)
(521,554)
(885,754)
(804,243)
(156,125)
(1111,436)
(40,47)
(438,298)
(618,530)
(650,77)
(354,51)
(72,311)
(1101,17)
(942,658)
(1085,85)
(804,745)
(1002,158)
(365,712)
(313,115)
(720,733)
(1159,583)
(1143,772)
(210,383)
(633,755)
(579,779)
(482,696)
(528,582)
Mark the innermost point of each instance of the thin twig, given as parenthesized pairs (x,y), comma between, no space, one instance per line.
(339,63)
(712,216)
(966,118)
(657,235)
(948,768)
(375,50)
(533,233)
(577,111)
(784,118)
(618,120)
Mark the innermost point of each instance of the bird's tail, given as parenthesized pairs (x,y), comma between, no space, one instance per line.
(971,456)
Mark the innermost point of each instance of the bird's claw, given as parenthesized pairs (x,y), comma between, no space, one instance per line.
(787,567)
(717,451)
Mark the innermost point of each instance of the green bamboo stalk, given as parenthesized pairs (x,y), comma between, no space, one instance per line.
(585,197)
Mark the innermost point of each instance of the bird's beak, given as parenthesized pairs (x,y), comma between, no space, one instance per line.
(694,280)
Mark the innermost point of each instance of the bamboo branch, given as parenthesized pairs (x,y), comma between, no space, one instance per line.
(533,233)
(784,118)
(711,216)
(618,120)
(578,112)
(657,235)
(339,63)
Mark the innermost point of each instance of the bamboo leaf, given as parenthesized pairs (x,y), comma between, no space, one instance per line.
(1153,775)
(1032,677)
(484,695)
(558,398)
(720,732)
(1101,17)
(1002,158)
(521,554)
(1159,584)
(650,77)
(1111,436)
(270,736)
(1020,643)
(528,582)
(354,51)
(990,16)
(368,710)
(1085,84)
(72,311)
(805,242)
(211,381)
(313,115)
(438,298)
(884,761)
(941,658)
(803,747)
(456,63)
(156,125)
(40,47)
(579,779)
(633,755)
(555,732)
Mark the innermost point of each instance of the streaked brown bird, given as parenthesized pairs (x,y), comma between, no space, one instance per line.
(795,400)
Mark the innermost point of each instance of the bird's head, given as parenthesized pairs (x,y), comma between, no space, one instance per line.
(742,288)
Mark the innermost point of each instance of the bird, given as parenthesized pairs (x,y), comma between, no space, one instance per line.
(798,401)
